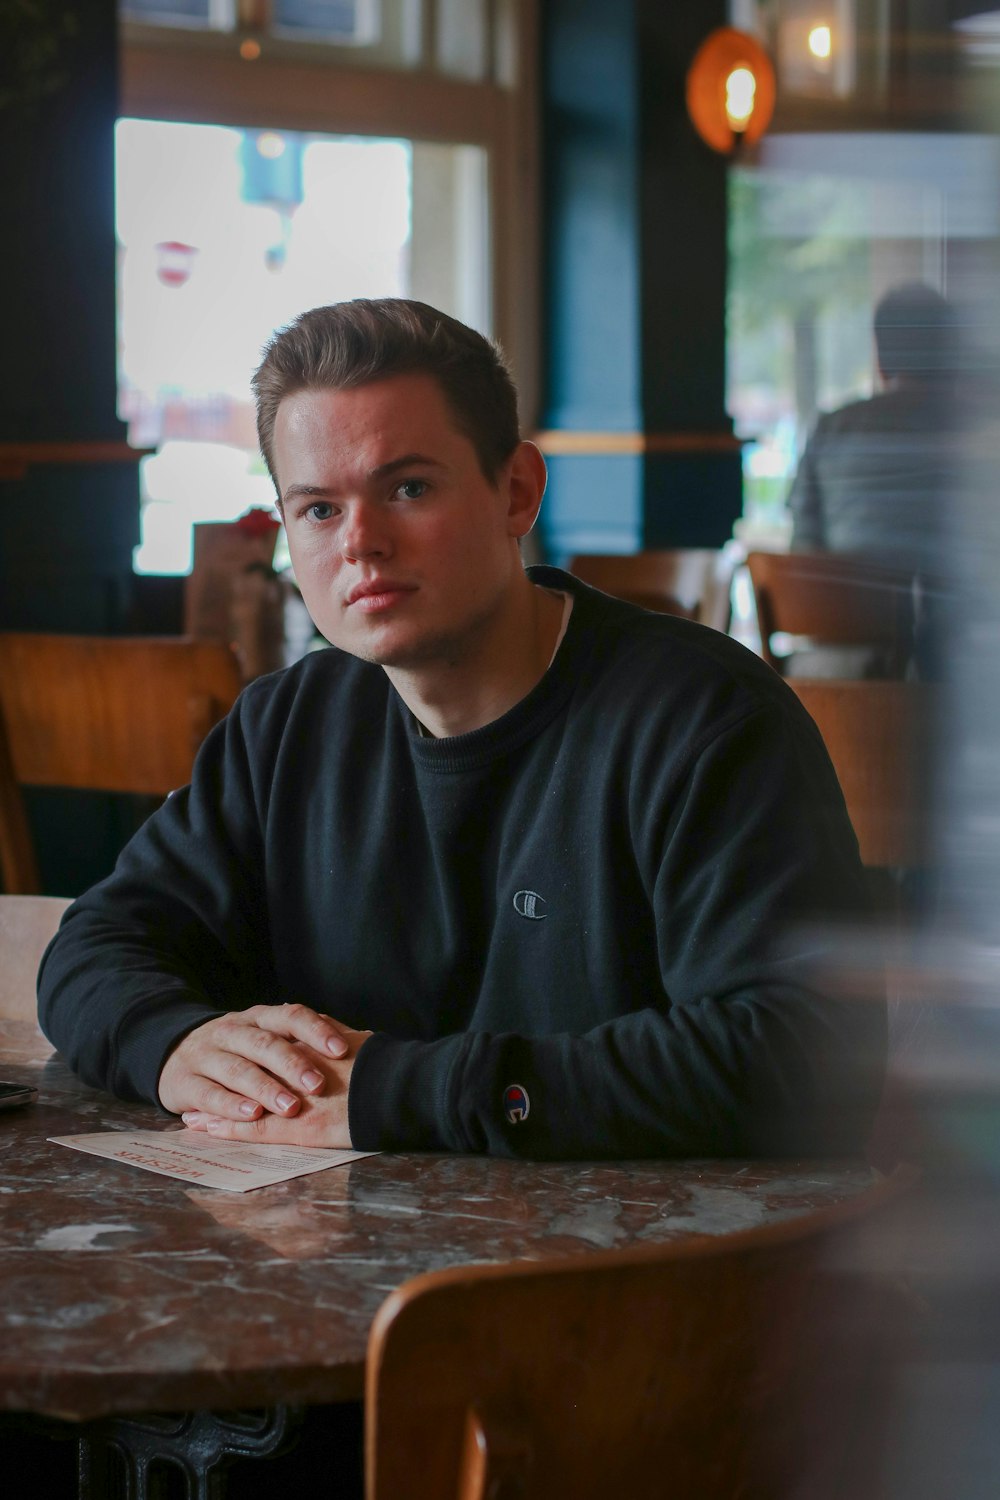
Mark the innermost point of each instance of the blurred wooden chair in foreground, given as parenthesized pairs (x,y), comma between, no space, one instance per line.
(751,1364)
(104,713)
(26,925)
(829,599)
(693,582)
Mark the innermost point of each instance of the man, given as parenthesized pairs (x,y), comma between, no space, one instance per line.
(877,475)
(517,868)
(879,479)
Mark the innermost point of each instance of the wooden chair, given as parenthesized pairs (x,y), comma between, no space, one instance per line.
(832,599)
(27,923)
(881,737)
(751,1364)
(114,714)
(878,735)
(18,865)
(689,581)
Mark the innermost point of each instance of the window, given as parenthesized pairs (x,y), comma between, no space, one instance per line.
(820,228)
(255,181)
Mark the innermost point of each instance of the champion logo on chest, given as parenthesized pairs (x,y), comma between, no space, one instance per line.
(531,905)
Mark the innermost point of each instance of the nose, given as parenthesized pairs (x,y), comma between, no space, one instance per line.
(363,534)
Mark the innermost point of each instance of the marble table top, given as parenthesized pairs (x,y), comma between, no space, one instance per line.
(125,1291)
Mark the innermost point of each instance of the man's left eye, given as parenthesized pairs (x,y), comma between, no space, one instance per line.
(412,489)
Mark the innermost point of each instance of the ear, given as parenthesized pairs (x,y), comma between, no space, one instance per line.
(524,476)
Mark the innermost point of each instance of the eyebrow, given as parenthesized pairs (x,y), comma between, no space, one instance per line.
(381,471)
(407,461)
(295,490)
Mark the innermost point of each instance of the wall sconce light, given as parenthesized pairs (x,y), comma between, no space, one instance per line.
(820,43)
(730,90)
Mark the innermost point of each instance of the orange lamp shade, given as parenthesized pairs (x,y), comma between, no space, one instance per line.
(730,89)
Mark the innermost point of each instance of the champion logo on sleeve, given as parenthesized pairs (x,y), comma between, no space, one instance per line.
(516,1104)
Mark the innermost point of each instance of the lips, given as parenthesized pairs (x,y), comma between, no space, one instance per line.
(376,594)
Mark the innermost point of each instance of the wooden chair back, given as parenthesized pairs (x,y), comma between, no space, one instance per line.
(27,923)
(104,713)
(833,599)
(879,737)
(18,865)
(707,1367)
(690,581)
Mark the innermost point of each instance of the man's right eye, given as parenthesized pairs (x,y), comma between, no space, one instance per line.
(319,510)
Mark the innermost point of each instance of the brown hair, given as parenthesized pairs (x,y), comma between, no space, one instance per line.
(351,344)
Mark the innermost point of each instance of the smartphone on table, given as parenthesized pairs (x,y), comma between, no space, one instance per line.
(14,1094)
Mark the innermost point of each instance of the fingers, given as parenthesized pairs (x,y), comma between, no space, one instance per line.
(305,1025)
(323,1122)
(228,1085)
(248,1054)
(245,1063)
(224,1128)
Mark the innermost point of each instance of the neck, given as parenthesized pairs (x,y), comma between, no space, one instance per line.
(492,672)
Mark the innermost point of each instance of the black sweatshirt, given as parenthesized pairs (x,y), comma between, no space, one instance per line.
(601,926)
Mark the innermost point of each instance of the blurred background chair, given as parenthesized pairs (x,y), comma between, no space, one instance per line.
(691,581)
(813,602)
(882,738)
(18,865)
(879,737)
(751,1364)
(112,714)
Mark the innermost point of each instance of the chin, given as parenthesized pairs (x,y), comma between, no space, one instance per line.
(407,655)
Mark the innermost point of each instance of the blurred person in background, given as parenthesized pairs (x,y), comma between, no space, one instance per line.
(876,473)
(877,477)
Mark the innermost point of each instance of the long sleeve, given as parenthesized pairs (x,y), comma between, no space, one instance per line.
(625,901)
(742,1046)
(171,938)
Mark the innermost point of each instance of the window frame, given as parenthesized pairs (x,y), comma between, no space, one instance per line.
(192,76)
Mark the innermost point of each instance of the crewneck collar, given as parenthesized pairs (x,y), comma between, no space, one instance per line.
(464,752)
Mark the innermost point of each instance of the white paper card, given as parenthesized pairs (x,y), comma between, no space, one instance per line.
(236,1166)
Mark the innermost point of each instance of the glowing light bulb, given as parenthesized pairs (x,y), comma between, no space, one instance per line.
(820,41)
(741,87)
(271,145)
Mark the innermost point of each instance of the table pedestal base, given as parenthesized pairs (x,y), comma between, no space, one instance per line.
(181,1456)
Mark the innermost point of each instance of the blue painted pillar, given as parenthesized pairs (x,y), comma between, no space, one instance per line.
(69,517)
(640,448)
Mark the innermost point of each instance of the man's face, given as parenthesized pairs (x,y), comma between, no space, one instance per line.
(403,550)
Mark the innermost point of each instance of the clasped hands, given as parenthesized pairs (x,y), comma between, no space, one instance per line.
(273,1073)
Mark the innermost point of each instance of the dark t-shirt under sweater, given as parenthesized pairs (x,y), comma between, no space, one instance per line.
(623,899)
